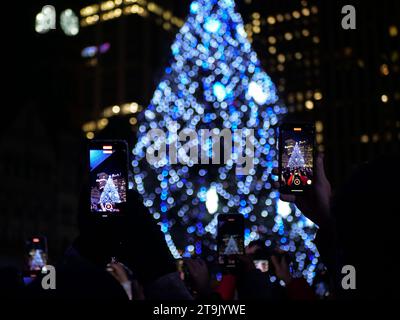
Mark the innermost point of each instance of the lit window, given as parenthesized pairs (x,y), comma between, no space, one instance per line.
(133,121)
(116,109)
(280,18)
(296,14)
(394,56)
(319,126)
(364,138)
(314,9)
(102,123)
(167,15)
(90,10)
(298,55)
(271,20)
(299,96)
(288,36)
(384,98)
(315,39)
(272,40)
(318,95)
(255,15)
(393,31)
(305,12)
(384,69)
(309,105)
(107,5)
(305,32)
(281,58)
(90,135)
(272,50)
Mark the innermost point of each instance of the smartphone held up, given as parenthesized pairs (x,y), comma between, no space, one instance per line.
(108,177)
(230,239)
(296,157)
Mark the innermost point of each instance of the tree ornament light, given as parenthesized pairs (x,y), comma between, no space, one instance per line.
(215,81)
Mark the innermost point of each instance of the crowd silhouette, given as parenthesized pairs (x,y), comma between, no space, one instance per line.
(127,258)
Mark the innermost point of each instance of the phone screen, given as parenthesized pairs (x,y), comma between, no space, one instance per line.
(108,177)
(296,148)
(230,238)
(37,254)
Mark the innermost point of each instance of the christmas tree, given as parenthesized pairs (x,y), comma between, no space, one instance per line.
(37,261)
(110,195)
(215,81)
(296,159)
(231,247)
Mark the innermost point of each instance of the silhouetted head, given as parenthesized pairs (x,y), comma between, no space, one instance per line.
(366,209)
(135,238)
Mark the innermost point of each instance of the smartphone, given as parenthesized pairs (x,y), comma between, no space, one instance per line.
(230,240)
(108,178)
(296,157)
(36,248)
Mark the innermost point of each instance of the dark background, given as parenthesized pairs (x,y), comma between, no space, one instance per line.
(51,94)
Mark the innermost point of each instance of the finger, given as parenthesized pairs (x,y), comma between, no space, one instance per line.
(120,272)
(287,197)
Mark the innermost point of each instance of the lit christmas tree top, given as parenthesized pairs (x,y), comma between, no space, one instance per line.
(215,81)
(296,159)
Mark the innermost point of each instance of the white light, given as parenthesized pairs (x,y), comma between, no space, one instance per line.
(256,92)
(194,7)
(240,30)
(219,91)
(69,22)
(212,200)
(212,25)
(283,208)
(45,19)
